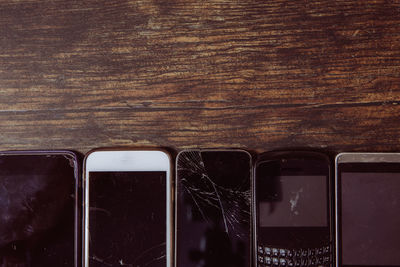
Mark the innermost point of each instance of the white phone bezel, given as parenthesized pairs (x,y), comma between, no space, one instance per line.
(122,161)
(356,157)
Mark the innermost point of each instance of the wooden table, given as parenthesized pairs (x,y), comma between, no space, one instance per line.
(258,75)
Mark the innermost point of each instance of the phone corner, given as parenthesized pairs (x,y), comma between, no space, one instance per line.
(339,156)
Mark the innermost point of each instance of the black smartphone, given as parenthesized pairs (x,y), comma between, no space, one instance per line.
(213,211)
(39,209)
(368,209)
(292,206)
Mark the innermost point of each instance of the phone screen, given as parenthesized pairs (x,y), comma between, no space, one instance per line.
(37,206)
(370,218)
(127,218)
(293,201)
(213,209)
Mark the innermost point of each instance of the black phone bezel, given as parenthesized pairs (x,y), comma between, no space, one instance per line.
(356,167)
(295,163)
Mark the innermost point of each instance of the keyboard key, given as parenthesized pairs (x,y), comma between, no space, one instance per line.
(282,262)
(260,250)
(275,252)
(282,252)
(304,252)
(311,252)
(268,260)
(268,251)
(260,259)
(275,261)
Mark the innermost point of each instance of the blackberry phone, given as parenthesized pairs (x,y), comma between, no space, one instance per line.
(368,209)
(128,206)
(213,211)
(292,207)
(39,208)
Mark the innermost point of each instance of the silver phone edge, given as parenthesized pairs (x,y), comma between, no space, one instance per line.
(357,157)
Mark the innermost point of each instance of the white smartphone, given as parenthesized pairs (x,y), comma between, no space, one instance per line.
(127,208)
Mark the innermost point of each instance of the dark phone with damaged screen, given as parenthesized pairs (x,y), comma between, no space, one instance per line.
(39,208)
(128,208)
(368,209)
(292,206)
(213,211)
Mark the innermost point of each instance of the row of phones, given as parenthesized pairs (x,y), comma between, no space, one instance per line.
(211,208)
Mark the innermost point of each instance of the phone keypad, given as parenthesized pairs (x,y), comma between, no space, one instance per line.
(304,257)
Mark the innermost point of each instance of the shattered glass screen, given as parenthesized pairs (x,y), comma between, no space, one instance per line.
(37,210)
(213,209)
(127,219)
(293,201)
(370,218)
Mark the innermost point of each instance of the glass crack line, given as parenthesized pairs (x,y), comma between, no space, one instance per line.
(147,251)
(228,201)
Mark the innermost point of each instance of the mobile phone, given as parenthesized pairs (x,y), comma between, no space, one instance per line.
(292,206)
(127,205)
(39,208)
(367,209)
(213,211)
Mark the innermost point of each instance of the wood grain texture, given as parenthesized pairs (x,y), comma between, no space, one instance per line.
(253,74)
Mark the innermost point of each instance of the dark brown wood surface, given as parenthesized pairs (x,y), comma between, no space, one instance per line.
(258,75)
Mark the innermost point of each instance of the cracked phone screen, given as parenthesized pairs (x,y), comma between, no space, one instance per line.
(213,209)
(127,219)
(37,201)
